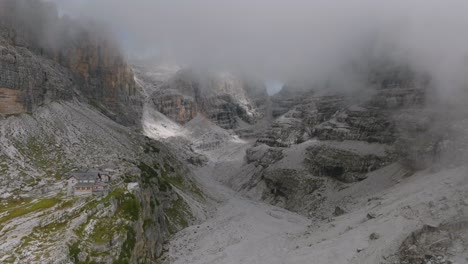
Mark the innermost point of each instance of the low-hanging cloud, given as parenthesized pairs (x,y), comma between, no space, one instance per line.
(294,39)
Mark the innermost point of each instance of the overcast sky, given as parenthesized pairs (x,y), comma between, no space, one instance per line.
(283,39)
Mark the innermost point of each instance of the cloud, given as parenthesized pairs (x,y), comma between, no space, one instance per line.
(294,39)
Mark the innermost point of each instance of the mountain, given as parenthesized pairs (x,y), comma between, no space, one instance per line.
(106,161)
(45,57)
(357,173)
(69,103)
(220,96)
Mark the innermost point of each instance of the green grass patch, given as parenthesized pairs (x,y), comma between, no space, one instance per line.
(66,204)
(50,228)
(166,178)
(80,230)
(176,180)
(148,223)
(9,260)
(3,164)
(195,190)
(105,229)
(41,233)
(151,149)
(73,251)
(128,208)
(127,204)
(127,247)
(13,203)
(93,202)
(178,215)
(148,174)
(25,209)
(180,181)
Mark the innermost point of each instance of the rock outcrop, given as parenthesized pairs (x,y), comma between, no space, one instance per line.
(11,101)
(263,155)
(435,244)
(336,117)
(175,105)
(67,99)
(341,164)
(44,57)
(324,141)
(221,97)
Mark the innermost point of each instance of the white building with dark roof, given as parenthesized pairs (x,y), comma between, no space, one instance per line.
(88,182)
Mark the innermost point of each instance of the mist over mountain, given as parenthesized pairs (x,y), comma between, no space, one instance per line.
(226,132)
(310,40)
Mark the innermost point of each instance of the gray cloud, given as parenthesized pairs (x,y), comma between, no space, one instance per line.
(294,39)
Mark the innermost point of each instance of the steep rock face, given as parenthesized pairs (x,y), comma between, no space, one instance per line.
(357,123)
(45,58)
(344,165)
(60,72)
(288,186)
(286,99)
(11,101)
(305,114)
(432,138)
(275,175)
(221,97)
(104,77)
(263,155)
(32,80)
(284,132)
(331,140)
(290,128)
(174,105)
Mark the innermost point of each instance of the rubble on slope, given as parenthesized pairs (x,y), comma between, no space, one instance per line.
(40,221)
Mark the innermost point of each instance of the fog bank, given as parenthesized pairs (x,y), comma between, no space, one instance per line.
(292,40)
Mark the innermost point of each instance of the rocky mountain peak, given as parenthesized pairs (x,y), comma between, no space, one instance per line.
(357,163)
(45,57)
(220,96)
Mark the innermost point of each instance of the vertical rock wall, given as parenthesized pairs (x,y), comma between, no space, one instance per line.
(48,57)
(11,101)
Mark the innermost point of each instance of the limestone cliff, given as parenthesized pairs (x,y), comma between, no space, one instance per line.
(221,97)
(44,57)
(57,79)
(175,105)
(327,140)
